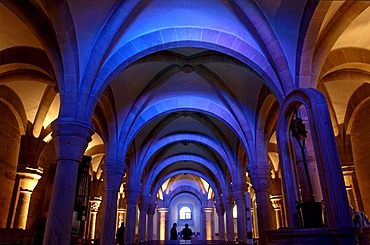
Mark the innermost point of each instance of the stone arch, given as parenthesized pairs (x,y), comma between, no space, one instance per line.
(177,172)
(225,154)
(314,16)
(177,37)
(312,59)
(359,146)
(333,188)
(335,27)
(188,189)
(196,104)
(30,59)
(10,134)
(11,99)
(223,92)
(344,58)
(358,98)
(262,137)
(187,193)
(219,180)
(253,17)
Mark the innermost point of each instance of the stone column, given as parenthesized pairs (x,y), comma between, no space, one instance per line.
(221,221)
(248,215)
(351,184)
(151,211)
(142,221)
(277,204)
(113,171)
(94,208)
(70,138)
(229,220)
(28,179)
(132,195)
(213,225)
(260,176)
(208,223)
(121,207)
(163,223)
(239,197)
(254,219)
(336,204)
(203,229)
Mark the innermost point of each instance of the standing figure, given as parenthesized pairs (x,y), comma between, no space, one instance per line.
(173,232)
(186,232)
(120,235)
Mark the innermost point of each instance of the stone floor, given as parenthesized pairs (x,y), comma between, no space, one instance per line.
(214,242)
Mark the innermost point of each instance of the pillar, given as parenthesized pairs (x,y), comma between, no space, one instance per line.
(239,197)
(132,196)
(121,207)
(113,171)
(94,208)
(229,220)
(28,179)
(208,223)
(248,215)
(336,204)
(351,184)
(260,177)
(163,223)
(277,205)
(151,211)
(142,221)
(221,221)
(255,231)
(70,139)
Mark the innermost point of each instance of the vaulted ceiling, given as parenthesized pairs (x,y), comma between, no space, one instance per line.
(185,87)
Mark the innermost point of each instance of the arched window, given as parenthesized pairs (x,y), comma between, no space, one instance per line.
(185,213)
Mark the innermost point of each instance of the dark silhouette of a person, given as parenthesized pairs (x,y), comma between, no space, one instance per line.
(186,232)
(120,235)
(173,232)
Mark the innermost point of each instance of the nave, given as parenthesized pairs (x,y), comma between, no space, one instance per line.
(246,119)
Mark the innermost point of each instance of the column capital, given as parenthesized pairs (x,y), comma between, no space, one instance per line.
(163,210)
(29,177)
(132,193)
(114,167)
(207,210)
(72,127)
(220,210)
(151,208)
(95,204)
(228,204)
(239,195)
(260,185)
(71,137)
(276,201)
(261,169)
(143,206)
(226,197)
(238,190)
(260,176)
(348,168)
(113,175)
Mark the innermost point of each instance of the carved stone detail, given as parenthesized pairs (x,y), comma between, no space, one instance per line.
(95,204)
